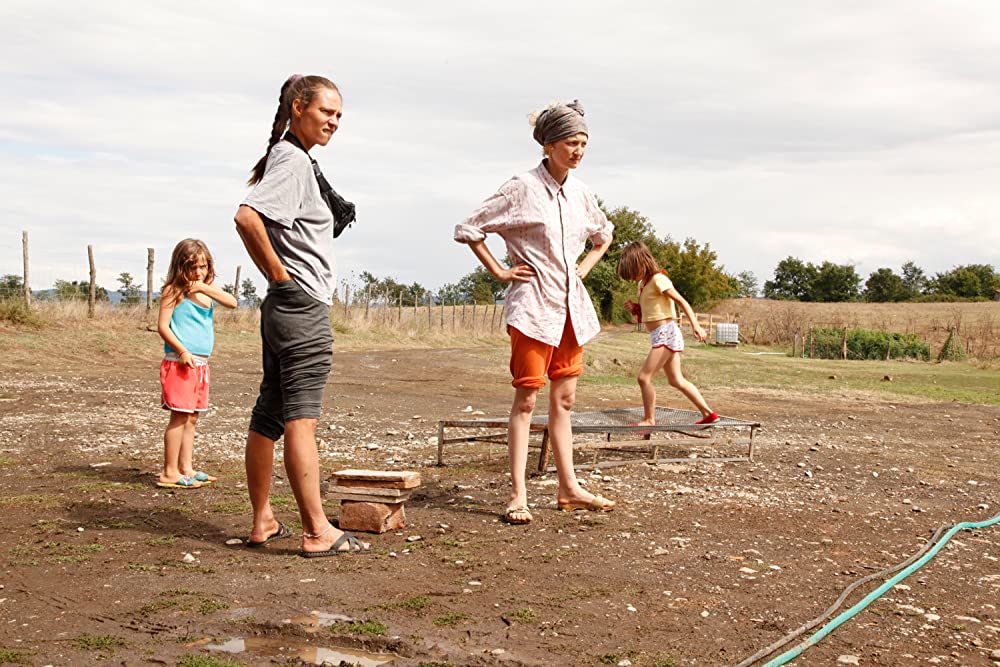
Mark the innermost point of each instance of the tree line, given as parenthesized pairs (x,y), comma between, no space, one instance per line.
(693,268)
(797,280)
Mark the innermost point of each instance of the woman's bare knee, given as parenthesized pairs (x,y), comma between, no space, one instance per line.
(526,404)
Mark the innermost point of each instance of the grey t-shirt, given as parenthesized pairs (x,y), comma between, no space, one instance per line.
(299,223)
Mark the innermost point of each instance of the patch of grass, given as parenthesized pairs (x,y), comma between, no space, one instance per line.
(17,311)
(104,643)
(236,507)
(142,567)
(369,628)
(450,542)
(209,606)
(11,657)
(116,524)
(29,499)
(663,660)
(450,619)
(105,486)
(157,605)
(526,615)
(720,368)
(163,540)
(78,558)
(615,658)
(415,603)
(197,660)
(6,460)
(285,501)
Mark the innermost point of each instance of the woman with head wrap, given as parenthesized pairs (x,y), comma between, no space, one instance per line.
(546,217)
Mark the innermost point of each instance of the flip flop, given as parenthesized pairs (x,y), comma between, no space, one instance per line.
(283,531)
(598,504)
(354,548)
(184,482)
(203,477)
(509,517)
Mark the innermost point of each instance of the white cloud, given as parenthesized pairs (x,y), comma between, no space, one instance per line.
(843,131)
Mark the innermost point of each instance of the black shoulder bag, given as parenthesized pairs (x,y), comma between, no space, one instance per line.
(343,210)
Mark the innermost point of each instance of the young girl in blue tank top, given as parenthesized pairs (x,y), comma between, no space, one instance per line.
(188,332)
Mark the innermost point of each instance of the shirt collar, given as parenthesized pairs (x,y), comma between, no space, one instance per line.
(550,183)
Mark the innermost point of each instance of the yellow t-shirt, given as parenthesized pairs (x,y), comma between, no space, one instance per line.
(654,303)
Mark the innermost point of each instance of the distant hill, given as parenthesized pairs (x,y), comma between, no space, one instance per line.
(114,297)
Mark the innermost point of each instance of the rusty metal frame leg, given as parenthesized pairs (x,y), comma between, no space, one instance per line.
(440,443)
(543,457)
(753,430)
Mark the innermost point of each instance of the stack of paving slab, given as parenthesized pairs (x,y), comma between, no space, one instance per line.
(371,501)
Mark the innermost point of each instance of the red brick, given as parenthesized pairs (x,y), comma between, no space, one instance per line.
(367,517)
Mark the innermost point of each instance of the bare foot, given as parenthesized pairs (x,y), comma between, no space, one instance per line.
(584,500)
(325,539)
(647,422)
(264,530)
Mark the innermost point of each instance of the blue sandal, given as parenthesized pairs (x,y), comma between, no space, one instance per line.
(184,482)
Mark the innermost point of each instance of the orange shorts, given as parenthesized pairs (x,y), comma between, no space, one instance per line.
(531,360)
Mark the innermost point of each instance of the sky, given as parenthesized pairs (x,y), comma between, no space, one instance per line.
(865,133)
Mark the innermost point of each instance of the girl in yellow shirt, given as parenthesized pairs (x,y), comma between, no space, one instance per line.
(657,309)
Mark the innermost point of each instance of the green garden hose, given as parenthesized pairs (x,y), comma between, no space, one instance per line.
(909,566)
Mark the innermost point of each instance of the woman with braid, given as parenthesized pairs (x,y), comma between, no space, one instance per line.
(287,228)
(546,218)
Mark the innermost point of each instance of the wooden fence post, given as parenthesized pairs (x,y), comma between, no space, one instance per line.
(347,302)
(92,293)
(236,285)
(430,300)
(368,299)
(400,318)
(149,281)
(843,345)
(27,283)
(454,308)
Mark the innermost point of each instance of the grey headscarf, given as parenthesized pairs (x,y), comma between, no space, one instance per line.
(560,121)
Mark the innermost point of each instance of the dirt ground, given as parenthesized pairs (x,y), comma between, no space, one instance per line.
(702,563)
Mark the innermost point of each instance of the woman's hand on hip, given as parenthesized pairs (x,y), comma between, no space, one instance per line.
(519,273)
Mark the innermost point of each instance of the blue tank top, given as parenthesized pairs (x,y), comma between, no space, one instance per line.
(192,324)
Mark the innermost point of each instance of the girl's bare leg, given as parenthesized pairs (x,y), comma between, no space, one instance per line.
(679,382)
(172,443)
(187,444)
(562,396)
(518,430)
(655,360)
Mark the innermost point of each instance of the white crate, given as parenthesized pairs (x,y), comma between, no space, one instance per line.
(727,333)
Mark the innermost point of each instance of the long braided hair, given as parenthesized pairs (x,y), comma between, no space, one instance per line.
(297,87)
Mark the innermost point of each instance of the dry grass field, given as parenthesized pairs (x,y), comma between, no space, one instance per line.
(767,322)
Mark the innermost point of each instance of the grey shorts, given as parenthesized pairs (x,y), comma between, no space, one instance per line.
(297,355)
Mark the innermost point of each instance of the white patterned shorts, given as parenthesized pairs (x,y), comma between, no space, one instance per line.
(667,335)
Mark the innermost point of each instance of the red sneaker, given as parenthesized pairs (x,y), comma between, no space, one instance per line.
(710,419)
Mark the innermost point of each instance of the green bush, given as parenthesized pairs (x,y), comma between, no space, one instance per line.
(866,344)
(16,311)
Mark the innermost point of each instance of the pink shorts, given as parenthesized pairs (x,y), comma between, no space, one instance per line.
(667,335)
(185,389)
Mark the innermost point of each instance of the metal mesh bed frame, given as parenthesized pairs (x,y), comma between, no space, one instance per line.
(620,421)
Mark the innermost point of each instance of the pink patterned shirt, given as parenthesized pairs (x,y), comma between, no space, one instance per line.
(546,226)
